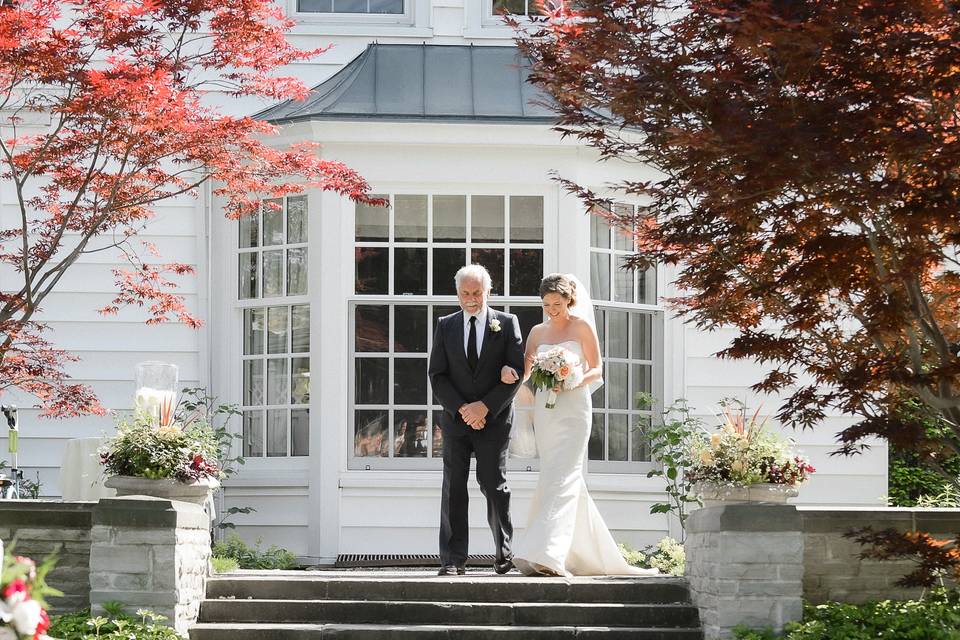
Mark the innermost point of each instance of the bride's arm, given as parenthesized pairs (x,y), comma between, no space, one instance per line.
(593,364)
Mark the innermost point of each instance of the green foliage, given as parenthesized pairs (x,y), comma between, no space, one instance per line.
(668,556)
(254,558)
(224,565)
(917,475)
(935,618)
(671,444)
(29,489)
(116,625)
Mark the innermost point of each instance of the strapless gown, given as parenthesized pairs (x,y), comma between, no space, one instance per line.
(565,533)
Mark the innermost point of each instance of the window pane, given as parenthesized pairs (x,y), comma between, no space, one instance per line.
(410,381)
(410,329)
(252,382)
(372,381)
(300,381)
(599,232)
(373,223)
(372,268)
(300,432)
(639,440)
(272,274)
(492,259)
(296,272)
(252,331)
(647,293)
(386,6)
(446,263)
(600,276)
(641,336)
(410,434)
(296,219)
(618,394)
(487,218)
(509,6)
(617,447)
(276,433)
(623,282)
(617,340)
(317,6)
(595,448)
(300,323)
(642,380)
(277,382)
(449,218)
(350,6)
(410,271)
(277,330)
(526,218)
(528,317)
(437,437)
(249,230)
(248,272)
(253,433)
(622,238)
(372,328)
(526,271)
(410,221)
(272,222)
(370,434)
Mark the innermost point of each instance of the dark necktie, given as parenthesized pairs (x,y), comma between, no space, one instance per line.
(472,356)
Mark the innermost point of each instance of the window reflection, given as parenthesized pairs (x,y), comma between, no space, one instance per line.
(410,434)
(371,436)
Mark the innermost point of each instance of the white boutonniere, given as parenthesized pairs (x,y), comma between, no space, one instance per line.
(495,325)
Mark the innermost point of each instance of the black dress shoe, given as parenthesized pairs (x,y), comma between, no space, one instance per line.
(503,567)
(449,570)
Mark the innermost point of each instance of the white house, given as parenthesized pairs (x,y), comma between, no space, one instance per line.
(318,318)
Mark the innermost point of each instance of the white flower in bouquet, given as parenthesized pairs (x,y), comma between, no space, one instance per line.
(556,367)
(26,616)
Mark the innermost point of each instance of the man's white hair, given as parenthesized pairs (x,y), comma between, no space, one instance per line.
(476,272)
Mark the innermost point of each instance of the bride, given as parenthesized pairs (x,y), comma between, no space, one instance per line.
(565,533)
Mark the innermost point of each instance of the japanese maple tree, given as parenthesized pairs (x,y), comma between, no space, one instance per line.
(102,115)
(806,173)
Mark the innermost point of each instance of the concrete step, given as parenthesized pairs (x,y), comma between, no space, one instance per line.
(465,613)
(427,586)
(236,631)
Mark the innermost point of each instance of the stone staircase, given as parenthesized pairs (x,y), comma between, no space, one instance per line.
(419,605)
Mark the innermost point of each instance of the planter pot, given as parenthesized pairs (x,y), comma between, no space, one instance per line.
(198,492)
(764,493)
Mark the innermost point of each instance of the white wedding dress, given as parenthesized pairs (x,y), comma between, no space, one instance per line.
(565,533)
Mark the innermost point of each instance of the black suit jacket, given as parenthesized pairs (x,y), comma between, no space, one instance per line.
(454,384)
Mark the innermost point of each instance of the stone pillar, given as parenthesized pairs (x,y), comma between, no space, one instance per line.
(151,553)
(745,566)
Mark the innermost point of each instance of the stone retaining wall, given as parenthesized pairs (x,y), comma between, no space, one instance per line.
(41,527)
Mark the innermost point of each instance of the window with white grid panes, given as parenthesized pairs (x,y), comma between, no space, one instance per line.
(276,381)
(370,7)
(406,257)
(628,325)
(609,250)
(521,7)
(272,257)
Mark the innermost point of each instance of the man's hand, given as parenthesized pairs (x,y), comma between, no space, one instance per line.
(474,414)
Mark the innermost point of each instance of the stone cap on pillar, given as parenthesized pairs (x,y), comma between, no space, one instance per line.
(149,512)
(745,517)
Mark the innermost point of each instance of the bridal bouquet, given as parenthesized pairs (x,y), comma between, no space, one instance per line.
(553,368)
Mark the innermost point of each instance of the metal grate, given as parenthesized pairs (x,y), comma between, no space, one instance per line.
(359,560)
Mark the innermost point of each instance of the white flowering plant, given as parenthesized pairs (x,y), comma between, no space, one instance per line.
(743,452)
(23,608)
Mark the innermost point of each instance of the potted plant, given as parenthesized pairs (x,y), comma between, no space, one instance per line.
(744,462)
(179,460)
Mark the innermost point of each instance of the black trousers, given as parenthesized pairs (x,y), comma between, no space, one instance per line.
(491,454)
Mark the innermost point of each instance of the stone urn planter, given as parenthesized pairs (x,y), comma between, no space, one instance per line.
(197,492)
(762,493)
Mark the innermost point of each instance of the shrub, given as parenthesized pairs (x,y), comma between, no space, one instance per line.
(116,625)
(935,618)
(186,452)
(224,565)
(253,558)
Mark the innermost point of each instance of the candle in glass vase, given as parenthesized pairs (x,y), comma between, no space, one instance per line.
(156,391)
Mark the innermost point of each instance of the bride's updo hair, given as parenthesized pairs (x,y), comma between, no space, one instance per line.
(562,284)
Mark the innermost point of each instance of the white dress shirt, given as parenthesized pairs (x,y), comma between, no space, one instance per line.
(481,327)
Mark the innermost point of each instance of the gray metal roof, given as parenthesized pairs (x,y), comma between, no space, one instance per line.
(424,82)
